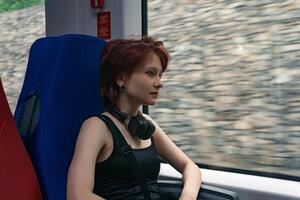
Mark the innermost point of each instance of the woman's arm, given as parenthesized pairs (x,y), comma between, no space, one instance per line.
(90,142)
(191,174)
(191,181)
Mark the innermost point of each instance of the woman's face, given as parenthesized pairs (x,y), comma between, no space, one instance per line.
(143,86)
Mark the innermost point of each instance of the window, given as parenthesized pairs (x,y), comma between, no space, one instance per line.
(21,23)
(231,95)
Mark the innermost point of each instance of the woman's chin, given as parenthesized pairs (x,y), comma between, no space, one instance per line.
(150,103)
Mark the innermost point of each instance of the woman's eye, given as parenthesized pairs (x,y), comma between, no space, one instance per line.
(150,73)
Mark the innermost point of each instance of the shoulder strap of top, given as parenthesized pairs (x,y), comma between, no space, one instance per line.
(127,151)
(116,133)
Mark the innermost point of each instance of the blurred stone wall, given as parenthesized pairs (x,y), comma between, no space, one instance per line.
(18,30)
(231,95)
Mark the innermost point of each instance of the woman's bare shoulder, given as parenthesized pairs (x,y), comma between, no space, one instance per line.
(147,117)
(94,127)
(93,121)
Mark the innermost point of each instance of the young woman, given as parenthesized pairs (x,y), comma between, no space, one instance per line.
(131,73)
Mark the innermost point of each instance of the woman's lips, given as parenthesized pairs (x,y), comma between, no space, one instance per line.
(154,93)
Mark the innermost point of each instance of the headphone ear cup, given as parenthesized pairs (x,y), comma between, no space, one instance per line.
(141,127)
(151,129)
(136,125)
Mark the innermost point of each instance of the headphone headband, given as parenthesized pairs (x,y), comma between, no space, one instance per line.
(121,116)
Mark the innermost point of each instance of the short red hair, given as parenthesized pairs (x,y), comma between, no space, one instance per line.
(121,57)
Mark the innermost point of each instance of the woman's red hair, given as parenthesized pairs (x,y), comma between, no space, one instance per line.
(121,57)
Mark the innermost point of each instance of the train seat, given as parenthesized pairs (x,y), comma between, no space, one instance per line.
(17,176)
(60,90)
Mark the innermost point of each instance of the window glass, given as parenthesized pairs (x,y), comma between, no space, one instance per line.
(231,95)
(21,23)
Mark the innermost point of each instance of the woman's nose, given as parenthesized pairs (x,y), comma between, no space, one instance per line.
(158,83)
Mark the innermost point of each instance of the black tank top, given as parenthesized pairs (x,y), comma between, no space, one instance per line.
(114,178)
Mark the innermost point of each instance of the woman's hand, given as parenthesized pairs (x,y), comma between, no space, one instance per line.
(185,196)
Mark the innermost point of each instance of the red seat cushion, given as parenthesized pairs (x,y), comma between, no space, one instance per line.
(18,180)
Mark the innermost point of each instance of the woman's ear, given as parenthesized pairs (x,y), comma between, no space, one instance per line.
(120,83)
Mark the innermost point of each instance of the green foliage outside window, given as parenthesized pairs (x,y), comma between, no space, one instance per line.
(9,5)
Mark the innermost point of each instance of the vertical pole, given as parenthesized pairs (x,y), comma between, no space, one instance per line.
(145,32)
(144,17)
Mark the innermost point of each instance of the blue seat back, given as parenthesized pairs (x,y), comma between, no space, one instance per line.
(61,89)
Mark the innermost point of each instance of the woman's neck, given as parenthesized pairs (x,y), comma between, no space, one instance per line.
(127,107)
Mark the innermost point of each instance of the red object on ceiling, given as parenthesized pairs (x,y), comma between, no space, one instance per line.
(97,3)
